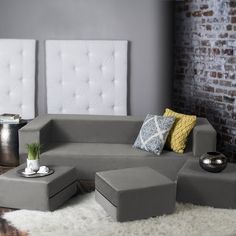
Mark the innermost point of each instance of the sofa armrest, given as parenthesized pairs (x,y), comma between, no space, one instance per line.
(38,130)
(204,137)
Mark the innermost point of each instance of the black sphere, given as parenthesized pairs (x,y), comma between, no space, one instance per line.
(213,161)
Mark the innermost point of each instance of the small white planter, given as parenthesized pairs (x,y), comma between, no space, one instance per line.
(33,164)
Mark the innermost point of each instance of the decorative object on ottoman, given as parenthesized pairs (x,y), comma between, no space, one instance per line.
(197,186)
(33,156)
(153,133)
(213,161)
(135,193)
(43,170)
(47,193)
(28,173)
(177,138)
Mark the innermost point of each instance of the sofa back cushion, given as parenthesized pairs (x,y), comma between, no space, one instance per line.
(102,129)
(93,130)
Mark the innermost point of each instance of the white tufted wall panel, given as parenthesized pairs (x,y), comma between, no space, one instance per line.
(17,77)
(86,77)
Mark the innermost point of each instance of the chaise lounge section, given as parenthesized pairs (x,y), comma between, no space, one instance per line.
(93,143)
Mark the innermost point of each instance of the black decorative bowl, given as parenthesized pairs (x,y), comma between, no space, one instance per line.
(213,161)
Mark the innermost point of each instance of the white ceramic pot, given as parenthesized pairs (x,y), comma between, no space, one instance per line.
(33,164)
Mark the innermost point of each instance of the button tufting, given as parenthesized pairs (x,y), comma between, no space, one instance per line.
(75,95)
(88,81)
(88,53)
(101,67)
(76,68)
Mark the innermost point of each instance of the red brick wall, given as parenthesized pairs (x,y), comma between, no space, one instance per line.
(205,65)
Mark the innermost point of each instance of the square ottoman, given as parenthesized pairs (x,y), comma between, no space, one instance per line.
(135,193)
(197,186)
(44,193)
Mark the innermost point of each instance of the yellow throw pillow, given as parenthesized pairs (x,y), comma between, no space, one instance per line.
(177,138)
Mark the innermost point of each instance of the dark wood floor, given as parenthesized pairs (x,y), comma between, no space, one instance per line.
(5,228)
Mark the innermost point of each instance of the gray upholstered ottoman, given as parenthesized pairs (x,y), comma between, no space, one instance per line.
(44,193)
(135,193)
(200,187)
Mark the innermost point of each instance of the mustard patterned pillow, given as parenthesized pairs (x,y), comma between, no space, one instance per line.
(177,138)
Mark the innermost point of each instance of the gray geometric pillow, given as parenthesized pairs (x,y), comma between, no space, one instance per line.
(153,133)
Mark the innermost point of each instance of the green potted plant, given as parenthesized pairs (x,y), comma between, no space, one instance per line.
(33,150)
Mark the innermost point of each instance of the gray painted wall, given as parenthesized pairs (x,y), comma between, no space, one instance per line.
(145,23)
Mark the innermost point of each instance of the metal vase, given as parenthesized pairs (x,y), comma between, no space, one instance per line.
(213,161)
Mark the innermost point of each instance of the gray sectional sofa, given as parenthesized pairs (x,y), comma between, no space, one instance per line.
(99,143)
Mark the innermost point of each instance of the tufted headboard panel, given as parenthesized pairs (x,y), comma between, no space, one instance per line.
(17,77)
(86,77)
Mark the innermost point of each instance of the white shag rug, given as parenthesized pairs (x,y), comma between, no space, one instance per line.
(83,216)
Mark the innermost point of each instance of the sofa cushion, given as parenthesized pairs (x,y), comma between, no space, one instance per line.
(89,158)
(153,133)
(94,129)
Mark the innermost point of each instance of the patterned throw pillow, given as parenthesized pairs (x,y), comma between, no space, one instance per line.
(182,127)
(153,133)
